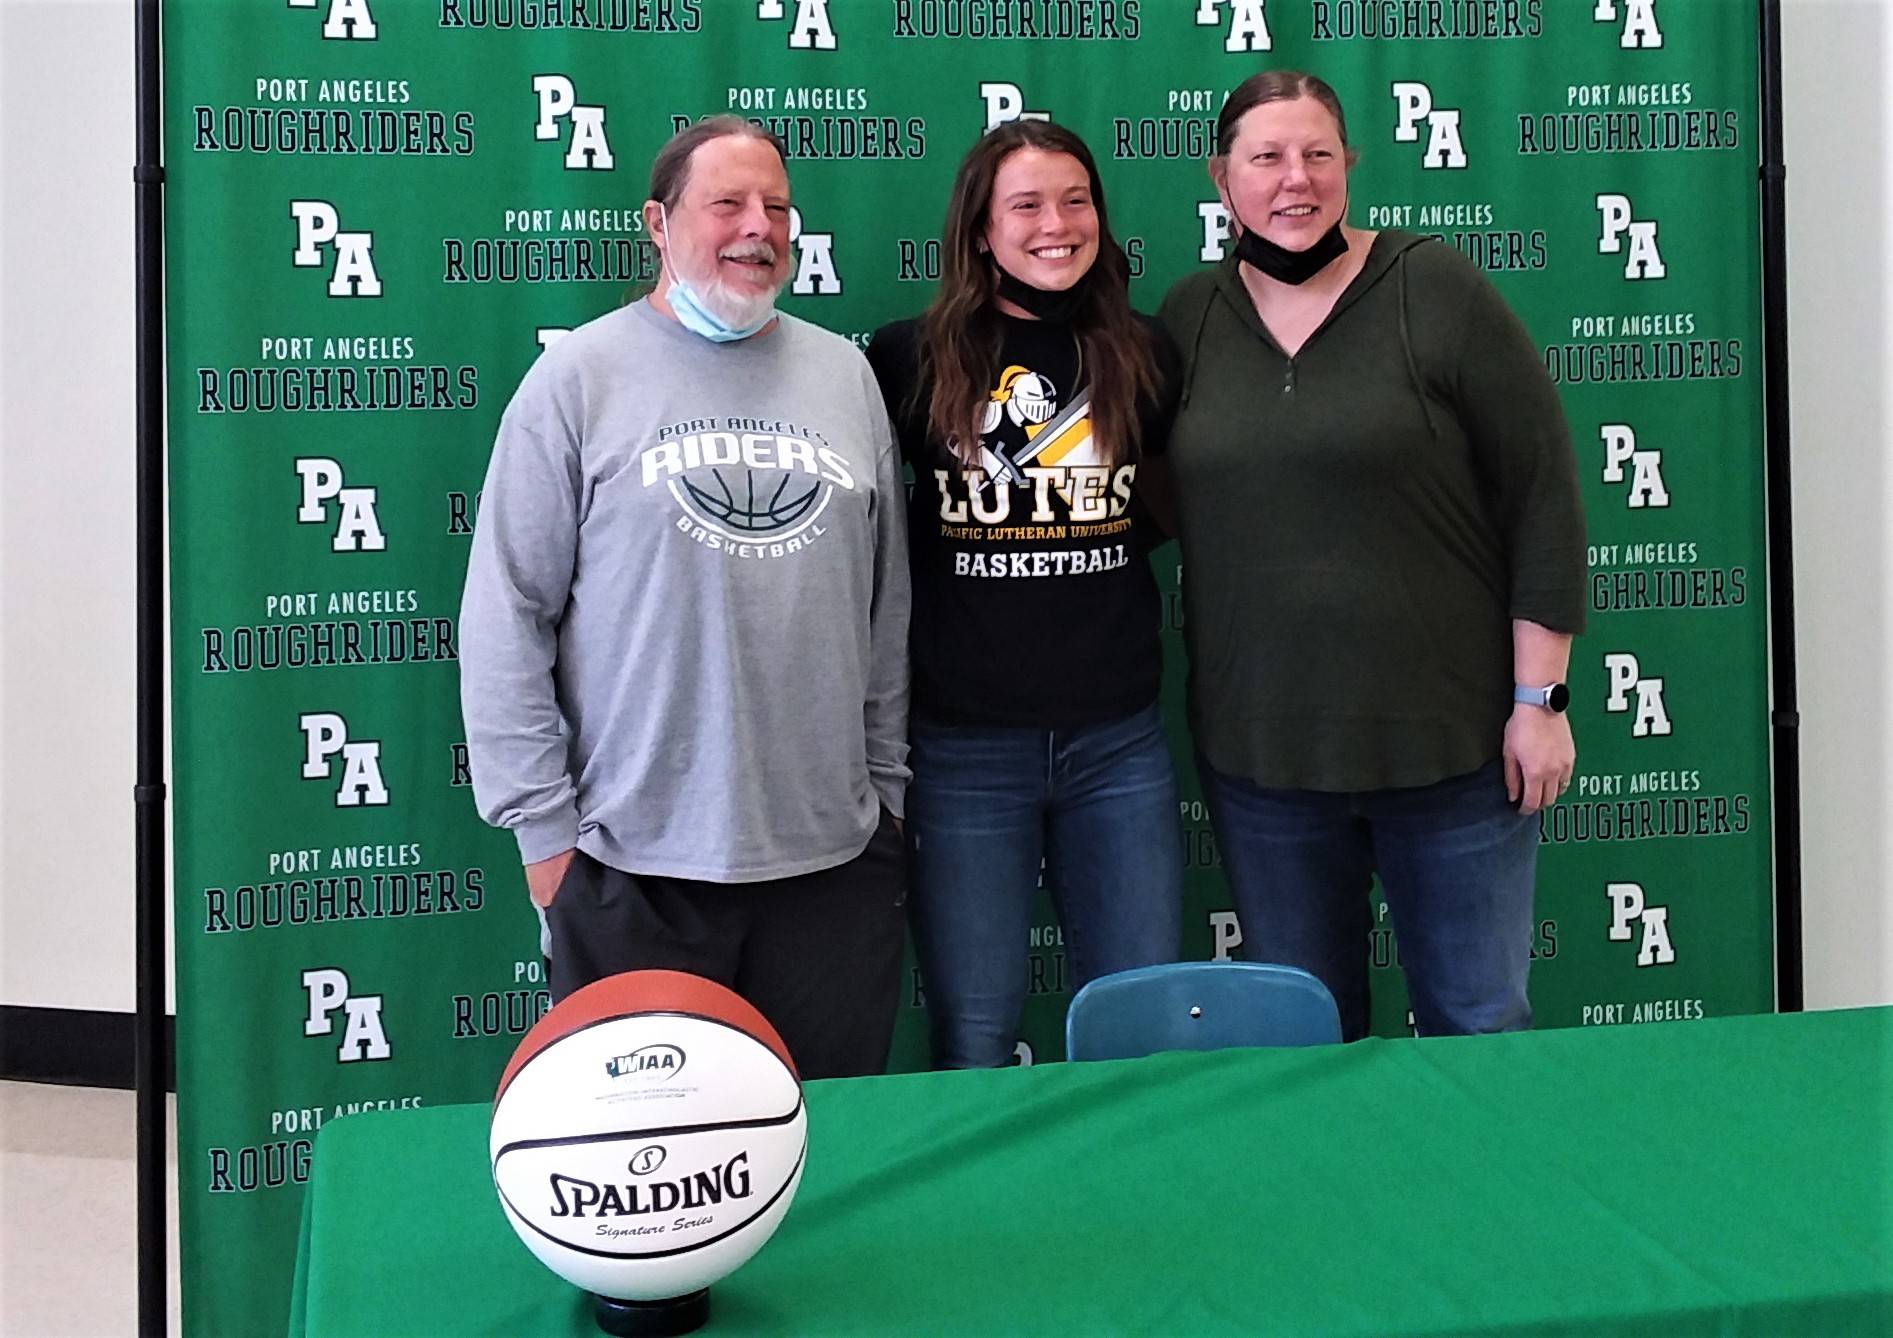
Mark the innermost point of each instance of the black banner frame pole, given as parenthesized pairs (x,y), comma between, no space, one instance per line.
(1785,717)
(148,796)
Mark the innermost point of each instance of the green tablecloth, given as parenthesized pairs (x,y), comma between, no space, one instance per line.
(1726,1177)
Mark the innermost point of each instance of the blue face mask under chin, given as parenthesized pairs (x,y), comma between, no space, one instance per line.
(695,316)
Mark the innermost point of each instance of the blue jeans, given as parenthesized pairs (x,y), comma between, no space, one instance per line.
(1457,862)
(1097,803)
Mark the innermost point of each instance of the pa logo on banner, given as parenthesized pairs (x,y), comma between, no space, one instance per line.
(325,740)
(1248,22)
(1622,233)
(809,29)
(1413,103)
(1006,102)
(345,20)
(357,527)
(1214,219)
(1638,19)
(1644,469)
(815,272)
(363,1035)
(1632,917)
(1651,717)
(558,104)
(320,241)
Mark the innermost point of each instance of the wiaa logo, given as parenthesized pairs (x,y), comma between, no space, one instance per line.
(558,103)
(647,1061)
(1248,22)
(346,20)
(810,31)
(1640,30)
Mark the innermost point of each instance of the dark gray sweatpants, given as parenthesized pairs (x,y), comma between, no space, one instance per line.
(819,954)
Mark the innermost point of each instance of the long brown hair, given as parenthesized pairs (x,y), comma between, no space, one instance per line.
(961,332)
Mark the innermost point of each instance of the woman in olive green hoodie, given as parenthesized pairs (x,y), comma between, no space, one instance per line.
(1384,558)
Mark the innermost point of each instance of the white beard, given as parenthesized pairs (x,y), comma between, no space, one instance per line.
(736,306)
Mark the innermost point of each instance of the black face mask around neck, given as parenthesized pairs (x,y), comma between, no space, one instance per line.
(1284,265)
(1048,304)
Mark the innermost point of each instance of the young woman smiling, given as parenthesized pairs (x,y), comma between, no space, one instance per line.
(1024,399)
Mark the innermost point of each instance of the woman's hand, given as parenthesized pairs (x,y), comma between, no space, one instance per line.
(1539,757)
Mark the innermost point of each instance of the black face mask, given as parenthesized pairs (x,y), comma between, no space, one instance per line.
(1048,304)
(1286,266)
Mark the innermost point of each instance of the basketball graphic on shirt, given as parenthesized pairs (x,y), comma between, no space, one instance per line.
(739,503)
(749,487)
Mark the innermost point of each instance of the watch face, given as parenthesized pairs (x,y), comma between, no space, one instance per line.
(1559,697)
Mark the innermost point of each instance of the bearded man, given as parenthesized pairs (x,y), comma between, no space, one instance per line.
(684,633)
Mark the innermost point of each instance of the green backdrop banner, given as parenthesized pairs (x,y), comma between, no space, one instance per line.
(381,211)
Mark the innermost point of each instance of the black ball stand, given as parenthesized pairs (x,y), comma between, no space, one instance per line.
(652,1319)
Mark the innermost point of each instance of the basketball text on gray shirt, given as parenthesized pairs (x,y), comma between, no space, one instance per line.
(684,634)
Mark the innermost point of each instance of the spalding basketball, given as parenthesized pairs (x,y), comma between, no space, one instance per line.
(648,1135)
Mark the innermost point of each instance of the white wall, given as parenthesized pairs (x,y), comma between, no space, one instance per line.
(67,579)
(1837,57)
(66,557)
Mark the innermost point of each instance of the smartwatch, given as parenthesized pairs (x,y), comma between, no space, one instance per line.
(1554,697)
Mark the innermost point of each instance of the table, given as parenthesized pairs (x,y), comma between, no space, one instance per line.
(1729,1177)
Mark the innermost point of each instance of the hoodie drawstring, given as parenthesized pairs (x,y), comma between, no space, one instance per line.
(1406,346)
(1196,347)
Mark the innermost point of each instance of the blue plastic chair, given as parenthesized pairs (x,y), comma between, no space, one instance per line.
(1199,1006)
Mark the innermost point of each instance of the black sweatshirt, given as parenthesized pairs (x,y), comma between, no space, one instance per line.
(1034,604)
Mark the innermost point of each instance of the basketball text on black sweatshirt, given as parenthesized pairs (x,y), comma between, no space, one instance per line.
(1034,603)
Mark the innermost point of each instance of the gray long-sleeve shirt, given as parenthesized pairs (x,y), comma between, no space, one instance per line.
(684,634)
